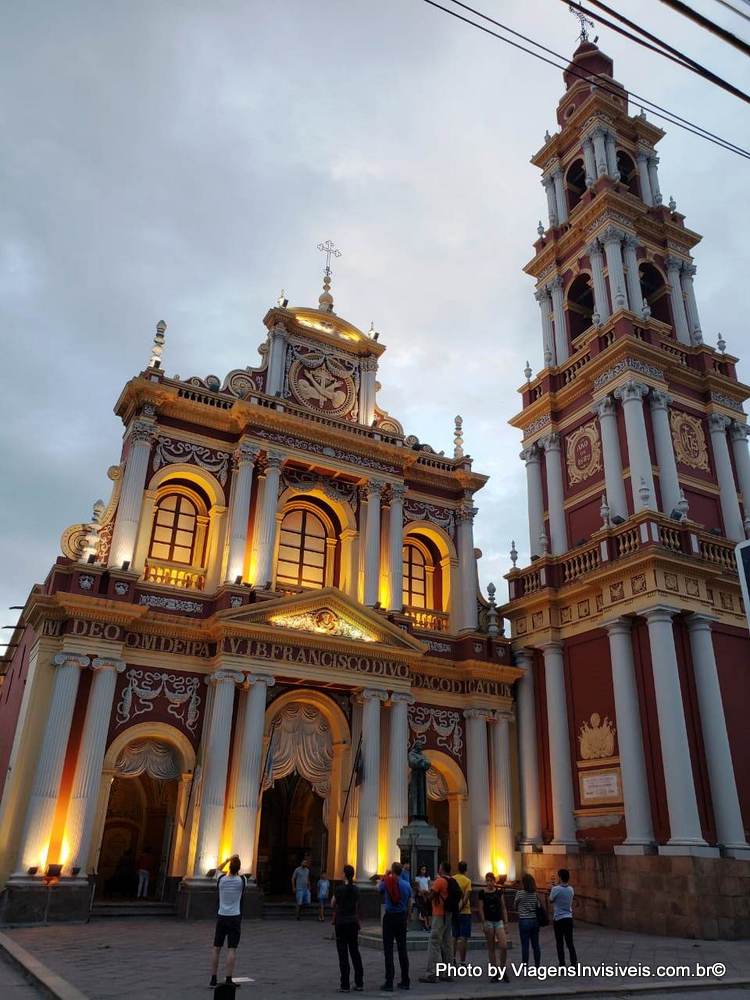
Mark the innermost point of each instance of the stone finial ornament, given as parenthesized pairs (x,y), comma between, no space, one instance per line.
(683,506)
(492,626)
(157,348)
(672,204)
(644,492)
(540,228)
(547,358)
(513,553)
(645,310)
(604,511)
(547,136)
(544,543)
(527,372)
(596,319)
(458,438)
(721,344)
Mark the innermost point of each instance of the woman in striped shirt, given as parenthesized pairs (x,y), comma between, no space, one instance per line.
(528,926)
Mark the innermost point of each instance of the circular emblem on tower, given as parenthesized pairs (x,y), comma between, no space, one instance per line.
(583,453)
(322,382)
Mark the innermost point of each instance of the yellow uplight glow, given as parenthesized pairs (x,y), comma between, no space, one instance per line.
(501,868)
(64,851)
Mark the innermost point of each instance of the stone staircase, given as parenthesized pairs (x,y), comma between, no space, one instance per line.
(104,910)
(286,910)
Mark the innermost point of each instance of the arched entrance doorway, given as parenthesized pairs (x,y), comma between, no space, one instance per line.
(292,828)
(446,795)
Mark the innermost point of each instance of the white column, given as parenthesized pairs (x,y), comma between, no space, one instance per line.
(561,773)
(79,822)
(632,277)
(467,566)
(684,822)
(244,459)
(533,459)
(653,176)
(612,239)
(555,494)
(611,144)
(646,194)
(367,372)
(215,766)
(246,791)
(606,411)
(549,190)
(398,769)
(561,335)
(600,152)
(639,829)
(589,161)
(396,548)
(669,482)
(631,394)
(477,766)
(265,521)
(560,199)
(691,306)
(542,295)
(42,802)
(730,507)
(738,436)
(369,789)
(682,332)
(601,301)
(528,755)
(730,830)
(372,542)
(122,549)
(502,795)
(278,337)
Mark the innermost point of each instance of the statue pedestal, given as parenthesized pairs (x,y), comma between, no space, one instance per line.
(419,845)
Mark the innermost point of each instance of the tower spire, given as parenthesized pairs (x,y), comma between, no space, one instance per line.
(326,299)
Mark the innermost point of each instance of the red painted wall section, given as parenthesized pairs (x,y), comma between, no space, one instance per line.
(583,521)
(650,728)
(545,782)
(705,509)
(11,694)
(180,701)
(732,648)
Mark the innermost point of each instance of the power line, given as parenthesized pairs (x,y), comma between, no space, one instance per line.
(603,82)
(661,47)
(704,22)
(734,10)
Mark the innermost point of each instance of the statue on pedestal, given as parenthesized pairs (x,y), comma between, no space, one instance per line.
(418,782)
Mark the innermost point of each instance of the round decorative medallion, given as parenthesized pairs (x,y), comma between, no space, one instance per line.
(325,386)
(583,453)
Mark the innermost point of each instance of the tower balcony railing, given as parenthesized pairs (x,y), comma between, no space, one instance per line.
(427,620)
(172,575)
(646,532)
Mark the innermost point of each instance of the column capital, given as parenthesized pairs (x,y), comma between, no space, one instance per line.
(604,407)
(478,713)
(642,156)
(531,454)
(223,676)
(551,442)
(502,715)
(467,511)
(618,626)
(526,656)
(108,663)
(612,235)
(631,390)
(374,487)
(245,453)
(554,646)
(274,460)
(673,263)
(660,613)
(557,282)
(700,622)
(658,399)
(541,294)
(398,492)
(372,694)
(632,241)
(718,423)
(738,431)
(546,181)
(279,330)
(594,248)
(402,697)
(688,271)
(74,659)
(143,431)
(253,679)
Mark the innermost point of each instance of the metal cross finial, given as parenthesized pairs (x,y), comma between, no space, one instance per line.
(584,21)
(330,251)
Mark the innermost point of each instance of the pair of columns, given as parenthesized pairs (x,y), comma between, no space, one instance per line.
(557,204)
(551,447)
(373,494)
(687,325)
(554,333)
(490,799)
(648,174)
(45,789)
(718,425)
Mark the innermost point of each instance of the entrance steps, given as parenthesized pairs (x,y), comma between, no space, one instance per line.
(283,910)
(102,910)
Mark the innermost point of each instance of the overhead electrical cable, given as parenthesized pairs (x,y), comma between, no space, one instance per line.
(739,13)
(704,22)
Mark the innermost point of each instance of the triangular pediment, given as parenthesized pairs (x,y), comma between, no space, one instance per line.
(325,613)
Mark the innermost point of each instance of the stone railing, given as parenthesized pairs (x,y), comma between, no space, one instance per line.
(428,621)
(719,552)
(579,564)
(169,575)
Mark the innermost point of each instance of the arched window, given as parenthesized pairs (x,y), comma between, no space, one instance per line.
(628,173)
(302,550)
(655,292)
(575,183)
(174,531)
(580,306)
(415,591)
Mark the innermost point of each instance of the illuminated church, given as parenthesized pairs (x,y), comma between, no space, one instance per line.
(281,598)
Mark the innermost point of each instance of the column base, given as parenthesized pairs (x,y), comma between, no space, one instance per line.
(30,900)
(369,900)
(739,851)
(198,899)
(530,847)
(688,850)
(562,847)
(635,849)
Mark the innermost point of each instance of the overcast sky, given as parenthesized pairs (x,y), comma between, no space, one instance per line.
(181,160)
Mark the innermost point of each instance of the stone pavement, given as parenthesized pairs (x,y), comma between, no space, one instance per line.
(13,985)
(145,959)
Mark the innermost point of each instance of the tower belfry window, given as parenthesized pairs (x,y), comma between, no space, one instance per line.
(575,183)
(628,173)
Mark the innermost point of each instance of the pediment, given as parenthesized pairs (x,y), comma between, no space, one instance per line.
(325,613)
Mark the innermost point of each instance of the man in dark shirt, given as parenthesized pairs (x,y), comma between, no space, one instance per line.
(396,891)
(345,906)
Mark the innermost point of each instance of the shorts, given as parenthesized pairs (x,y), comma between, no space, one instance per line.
(493,925)
(462,925)
(229,928)
(303,897)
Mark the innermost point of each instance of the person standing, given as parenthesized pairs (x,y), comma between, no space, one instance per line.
(346,923)
(301,885)
(144,866)
(561,897)
(440,947)
(461,921)
(526,903)
(494,917)
(229,922)
(396,892)
(422,882)
(324,891)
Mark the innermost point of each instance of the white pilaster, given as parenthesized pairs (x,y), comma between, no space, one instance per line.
(653,176)
(558,311)
(601,300)
(691,306)
(528,756)
(555,493)
(669,482)
(502,795)
(246,787)
(611,144)
(639,829)
(684,822)
(730,507)
(589,161)
(600,152)
(244,459)
(549,190)
(612,239)
(542,295)
(141,437)
(730,830)
(682,332)
(467,565)
(645,180)
(738,435)
(560,199)
(631,394)
(477,765)
(561,773)
(79,823)
(265,520)
(215,766)
(372,542)
(606,411)
(398,769)
(533,459)
(396,548)
(367,375)
(369,789)
(278,337)
(42,802)
(632,277)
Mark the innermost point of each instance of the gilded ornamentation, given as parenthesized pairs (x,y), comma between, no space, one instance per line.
(597,738)
(324,622)
(322,381)
(445,723)
(689,440)
(583,453)
(144,687)
(617,591)
(584,609)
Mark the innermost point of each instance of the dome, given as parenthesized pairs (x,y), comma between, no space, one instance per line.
(588,59)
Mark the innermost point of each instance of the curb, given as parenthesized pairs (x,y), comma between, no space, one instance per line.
(595,990)
(45,979)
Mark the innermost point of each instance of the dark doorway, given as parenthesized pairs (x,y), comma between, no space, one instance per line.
(291,826)
(438,814)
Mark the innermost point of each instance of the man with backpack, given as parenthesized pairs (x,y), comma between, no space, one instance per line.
(396,892)
(446,897)
(229,922)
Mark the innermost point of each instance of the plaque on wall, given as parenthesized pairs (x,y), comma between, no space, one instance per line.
(600,787)
(583,453)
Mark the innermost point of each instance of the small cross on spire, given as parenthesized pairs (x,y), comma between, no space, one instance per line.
(326,299)
(584,21)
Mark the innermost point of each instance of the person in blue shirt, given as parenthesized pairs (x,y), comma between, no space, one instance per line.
(397,897)
(561,897)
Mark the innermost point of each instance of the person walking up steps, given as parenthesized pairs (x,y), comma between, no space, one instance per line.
(229,923)
(528,926)
(561,897)
(301,886)
(345,906)
(396,892)
(446,897)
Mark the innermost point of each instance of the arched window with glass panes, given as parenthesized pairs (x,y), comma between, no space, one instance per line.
(307,541)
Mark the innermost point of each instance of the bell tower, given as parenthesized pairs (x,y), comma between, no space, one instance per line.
(628,617)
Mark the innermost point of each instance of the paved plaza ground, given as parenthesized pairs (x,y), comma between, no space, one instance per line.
(145,959)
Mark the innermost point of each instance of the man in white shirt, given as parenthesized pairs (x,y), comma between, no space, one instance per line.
(229,921)
(301,885)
